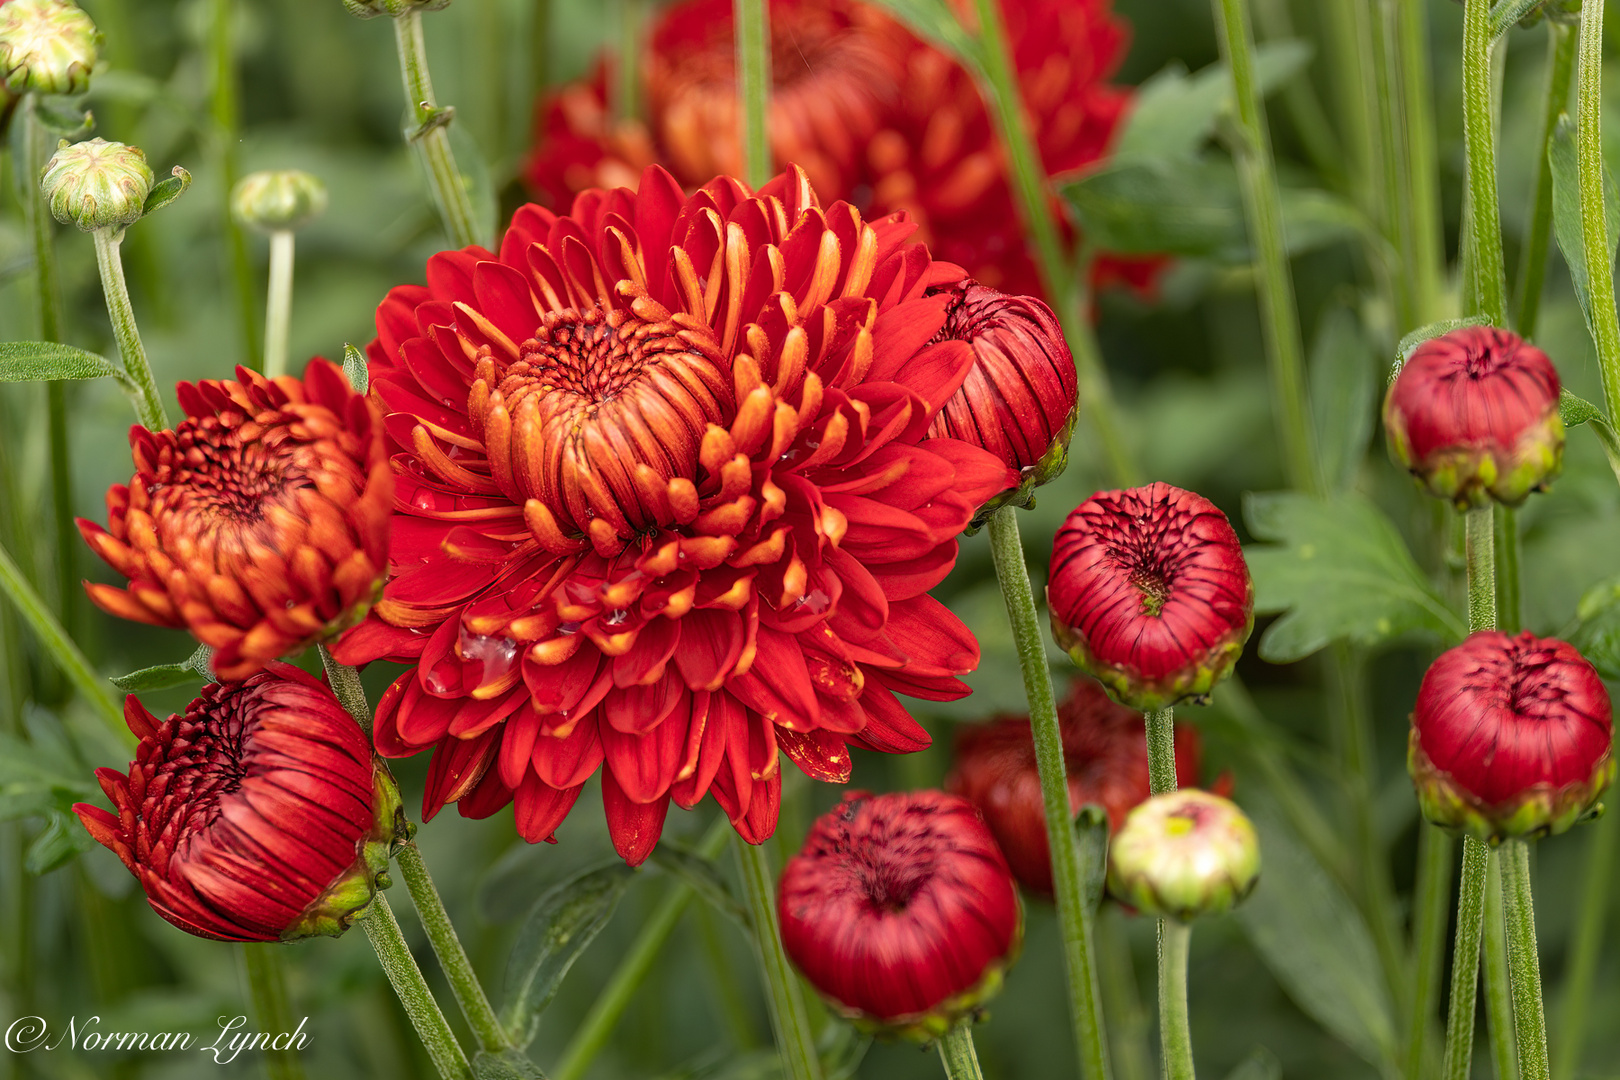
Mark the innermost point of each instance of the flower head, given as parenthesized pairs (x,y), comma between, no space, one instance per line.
(282,199)
(1104,749)
(667,504)
(1019,400)
(901,911)
(1474,415)
(1184,854)
(260,523)
(1149,592)
(259,815)
(1511,737)
(46,46)
(370,9)
(96,184)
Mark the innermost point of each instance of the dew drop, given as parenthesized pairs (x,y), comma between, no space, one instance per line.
(498,655)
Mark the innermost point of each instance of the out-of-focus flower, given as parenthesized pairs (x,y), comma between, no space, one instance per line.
(1474,415)
(874,115)
(259,815)
(1019,400)
(278,200)
(667,504)
(1149,592)
(96,184)
(1184,854)
(1104,749)
(260,524)
(46,46)
(1511,737)
(370,9)
(901,911)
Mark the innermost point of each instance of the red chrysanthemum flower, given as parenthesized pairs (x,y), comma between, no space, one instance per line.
(1104,749)
(1149,592)
(259,815)
(901,911)
(874,115)
(260,523)
(1474,415)
(1511,737)
(667,504)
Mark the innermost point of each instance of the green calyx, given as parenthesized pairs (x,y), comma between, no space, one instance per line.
(96,184)
(1473,476)
(349,895)
(370,9)
(1044,471)
(1540,810)
(1194,682)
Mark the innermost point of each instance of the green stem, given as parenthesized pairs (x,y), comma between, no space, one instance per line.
(794,1041)
(227,118)
(1423,172)
(1507,569)
(1481,553)
(1310,121)
(1431,904)
(1128,1030)
(278,308)
(345,683)
(1392,156)
(1586,943)
(753,21)
(1498,1004)
(627,70)
(424,1013)
(61,647)
(267,986)
(1524,963)
(1161,744)
(1175,1035)
(733,1004)
(1538,230)
(1465,961)
(430,132)
(1074,918)
(1479,142)
(1350,92)
(957,1053)
(149,406)
(608,1009)
(441,933)
(1263,208)
(1594,227)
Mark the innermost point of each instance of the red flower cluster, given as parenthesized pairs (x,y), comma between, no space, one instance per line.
(668,505)
(872,114)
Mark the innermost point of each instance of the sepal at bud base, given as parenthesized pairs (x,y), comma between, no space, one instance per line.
(1184,854)
(349,895)
(97,184)
(46,46)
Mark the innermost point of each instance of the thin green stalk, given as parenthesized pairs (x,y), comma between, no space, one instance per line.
(794,1041)
(267,986)
(1538,230)
(1585,944)
(1423,171)
(1161,744)
(1175,1035)
(1479,143)
(424,1013)
(430,134)
(1465,961)
(1310,120)
(1074,918)
(753,20)
(149,406)
(1393,165)
(1339,32)
(1481,553)
(1128,1027)
(345,683)
(60,647)
(278,307)
(227,129)
(608,1009)
(1594,228)
(1262,206)
(1524,963)
(1507,569)
(733,1005)
(1431,906)
(957,1053)
(441,934)
(1498,1003)
(627,72)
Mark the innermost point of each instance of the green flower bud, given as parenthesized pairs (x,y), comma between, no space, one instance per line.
(281,200)
(1182,854)
(97,184)
(370,9)
(47,46)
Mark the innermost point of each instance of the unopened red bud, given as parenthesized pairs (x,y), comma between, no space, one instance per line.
(1184,854)
(1511,737)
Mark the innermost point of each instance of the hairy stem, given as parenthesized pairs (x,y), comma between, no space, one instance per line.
(267,986)
(1479,142)
(278,308)
(430,133)
(1594,226)
(149,405)
(345,684)
(794,1041)
(458,969)
(1161,744)
(1431,906)
(1175,1035)
(957,1053)
(1481,550)
(1538,229)
(1498,1004)
(424,1013)
(1465,961)
(1524,964)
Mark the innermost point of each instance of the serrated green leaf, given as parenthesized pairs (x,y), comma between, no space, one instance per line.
(1409,343)
(1175,113)
(48,361)
(164,193)
(1338,570)
(506,1065)
(706,880)
(1091,847)
(1566,198)
(1316,943)
(354,367)
(560,926)
(1343,381)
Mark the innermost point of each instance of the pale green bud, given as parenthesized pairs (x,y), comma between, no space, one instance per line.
(370,9)
(282,200)
(47,46)
(97,184)
(1182,854)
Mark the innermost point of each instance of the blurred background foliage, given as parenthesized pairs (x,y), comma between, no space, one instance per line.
(319,90)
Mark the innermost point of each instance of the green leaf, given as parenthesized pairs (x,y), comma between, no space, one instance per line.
(64,839)
(934,20)
(1597,631)
(1505,15)
(166,676)
(1575,411)
(164,193)
(354,367)
(506,1065)
(1566,195)
(1343,381)
(1410,343)
(1339,570)
(1174,113)
(1091,843)
(705,878)
(560,926)
(1316,943)
(1261,1064)
(62,118)
(47,361)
